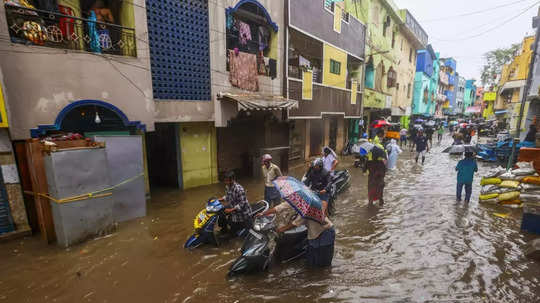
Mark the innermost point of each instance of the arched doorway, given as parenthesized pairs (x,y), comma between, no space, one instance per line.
(90,117)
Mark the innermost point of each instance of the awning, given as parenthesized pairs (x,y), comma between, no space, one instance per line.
(512,84)
(259,102)
(501,112)
(474,109)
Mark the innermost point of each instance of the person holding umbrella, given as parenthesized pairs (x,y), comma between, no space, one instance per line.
(466,169)
(321,233)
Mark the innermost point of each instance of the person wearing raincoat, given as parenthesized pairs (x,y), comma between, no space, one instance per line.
(393,152)
(376,166)
(329,159)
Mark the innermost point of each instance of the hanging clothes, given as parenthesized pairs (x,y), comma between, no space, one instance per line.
(264,37)
(67,25)
(272,65)
(92,32)
(243,70)
(244,32)
(261,64)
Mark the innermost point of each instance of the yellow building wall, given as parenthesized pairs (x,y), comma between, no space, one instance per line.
(354,91)
(328,77)
(405,71)
(337,18)
(515,95)
(198,146)
(3,114)
(307,85)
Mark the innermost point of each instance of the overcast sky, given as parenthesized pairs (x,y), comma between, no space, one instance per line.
(468,52)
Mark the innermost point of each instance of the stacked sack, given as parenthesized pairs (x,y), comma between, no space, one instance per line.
(513,188)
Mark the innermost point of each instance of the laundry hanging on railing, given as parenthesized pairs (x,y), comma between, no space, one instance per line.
(243,70)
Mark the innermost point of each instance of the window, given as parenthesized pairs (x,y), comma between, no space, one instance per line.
(329,5)
(393,39)
(408,90)
(386,25)
(335,67)
(410,55)
(391,78)
(344,16)
(370,74)
(402,44)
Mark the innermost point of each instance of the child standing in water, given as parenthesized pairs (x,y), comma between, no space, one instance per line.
(466,169)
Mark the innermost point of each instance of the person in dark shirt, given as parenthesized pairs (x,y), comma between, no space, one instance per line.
(413,131)
(421,146)
(531,135)
(429,135)
(319,180)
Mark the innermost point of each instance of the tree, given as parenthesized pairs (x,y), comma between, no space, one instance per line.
(494,62)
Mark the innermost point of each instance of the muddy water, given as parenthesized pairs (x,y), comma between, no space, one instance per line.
(421,246)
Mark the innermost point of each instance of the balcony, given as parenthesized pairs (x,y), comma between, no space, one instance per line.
(50,29)
(449,94)
(452,80)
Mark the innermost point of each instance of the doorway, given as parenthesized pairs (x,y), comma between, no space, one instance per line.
(316,134)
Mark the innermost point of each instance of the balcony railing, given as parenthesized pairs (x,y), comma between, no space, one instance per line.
(51,29)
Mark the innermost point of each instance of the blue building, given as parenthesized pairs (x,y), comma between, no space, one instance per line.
(425,82)
(447,87)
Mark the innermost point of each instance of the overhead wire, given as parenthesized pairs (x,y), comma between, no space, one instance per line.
(506,21)
(475,12)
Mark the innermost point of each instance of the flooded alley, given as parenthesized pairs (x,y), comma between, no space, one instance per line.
(421,246)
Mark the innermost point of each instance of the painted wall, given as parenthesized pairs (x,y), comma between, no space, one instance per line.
(311,17)
(331,79)
(374,13)
(406,71)
(40,81)
(198,146)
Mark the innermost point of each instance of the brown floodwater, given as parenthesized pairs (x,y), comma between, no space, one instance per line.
(421,246)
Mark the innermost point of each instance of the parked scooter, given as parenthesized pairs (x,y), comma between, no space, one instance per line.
(263,245)
(206,220)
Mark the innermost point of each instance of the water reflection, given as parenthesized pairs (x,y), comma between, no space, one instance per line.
(421,245)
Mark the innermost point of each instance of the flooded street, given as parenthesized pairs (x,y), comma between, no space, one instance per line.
(421,246)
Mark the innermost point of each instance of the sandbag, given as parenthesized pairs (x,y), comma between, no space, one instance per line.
(524,164)
(531,180)
(513,205)
(509,184)
(503,190)
(530,187)
(493,201)
(490,189)
(510,202)
(529,198)
(495,172)
(488,197)
(524,172)
(488,181)
(510,176)
(513,195)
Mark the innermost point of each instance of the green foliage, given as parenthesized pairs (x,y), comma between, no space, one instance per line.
(494,62)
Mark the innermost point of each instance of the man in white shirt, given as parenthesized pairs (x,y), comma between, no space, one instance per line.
(270,172)
(330,160)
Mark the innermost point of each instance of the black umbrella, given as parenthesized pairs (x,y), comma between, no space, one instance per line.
(461,148)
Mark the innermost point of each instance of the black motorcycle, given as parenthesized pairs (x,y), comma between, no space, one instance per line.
(263,245)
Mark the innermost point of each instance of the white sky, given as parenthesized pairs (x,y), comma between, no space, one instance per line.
(468,53)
